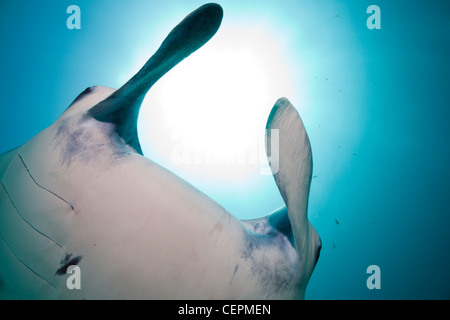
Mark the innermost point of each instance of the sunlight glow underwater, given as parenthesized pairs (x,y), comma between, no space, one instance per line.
(205,119)
(214,105)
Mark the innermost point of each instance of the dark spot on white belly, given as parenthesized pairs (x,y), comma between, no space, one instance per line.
(67,262)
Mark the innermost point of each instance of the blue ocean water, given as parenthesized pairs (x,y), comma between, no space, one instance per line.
(375,103)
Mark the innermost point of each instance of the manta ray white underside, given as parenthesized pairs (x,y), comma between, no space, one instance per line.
(81,193)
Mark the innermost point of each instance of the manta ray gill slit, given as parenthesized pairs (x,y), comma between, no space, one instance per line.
(42,187)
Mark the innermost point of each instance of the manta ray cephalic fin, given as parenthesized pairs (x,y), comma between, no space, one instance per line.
(122,107)
(292,173)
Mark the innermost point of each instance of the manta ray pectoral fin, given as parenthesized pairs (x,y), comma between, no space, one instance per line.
(122,107)
(292,171)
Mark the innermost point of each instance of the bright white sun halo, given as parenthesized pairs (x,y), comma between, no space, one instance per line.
(207,115)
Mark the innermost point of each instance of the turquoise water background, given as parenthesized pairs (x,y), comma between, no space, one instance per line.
(375,104)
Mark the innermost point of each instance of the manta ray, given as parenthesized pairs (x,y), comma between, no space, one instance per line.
(81,193)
